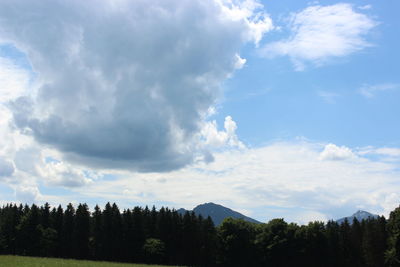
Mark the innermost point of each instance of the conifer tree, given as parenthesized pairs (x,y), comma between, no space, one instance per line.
(81,232)
(345,244)
(97,234)
(127,235)
(356,243)
(208,241)
(392,255)
(45,215)
(374,242)
(67,232)
(28,237)
(57,218)
(9,219)
(139,234)
(333,243)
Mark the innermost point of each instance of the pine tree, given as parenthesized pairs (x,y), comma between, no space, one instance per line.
(10,216)
(189,238)
(345,244)
(176,244)
(48,241)
(392,254)
(208,243)
(374,242)
(96,243)
(356,243)
(127,235)
(81,232)
(29,235)
(332,237)
(107,234)
(116,233)
(139,234)
(316,244)
(111,232)
(56,218)
(67,232)
(45,215)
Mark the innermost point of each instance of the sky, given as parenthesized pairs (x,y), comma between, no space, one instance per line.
(276,109)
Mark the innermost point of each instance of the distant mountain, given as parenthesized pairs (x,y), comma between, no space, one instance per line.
(217,213)
(359,215)
(182,211)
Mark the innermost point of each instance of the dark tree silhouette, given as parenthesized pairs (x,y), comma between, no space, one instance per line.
(81,232)
(165,237)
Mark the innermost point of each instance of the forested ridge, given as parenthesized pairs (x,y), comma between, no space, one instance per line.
(164,236)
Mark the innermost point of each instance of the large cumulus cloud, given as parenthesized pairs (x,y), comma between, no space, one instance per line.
(126,84)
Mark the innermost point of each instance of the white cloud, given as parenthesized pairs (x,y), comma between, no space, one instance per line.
(239,62)
(43,166)
(216,139)
(365,7)
(319,33)
(27,194)
(391,201)
(304,217)
(14,80)
(370,91)
(382,151)
(248,11)
(28,159)
(388,151)
(105,91)
(57,173)
(333,152)
(292,180)
(277,180)
(127,84)
(25,165)
(6,168)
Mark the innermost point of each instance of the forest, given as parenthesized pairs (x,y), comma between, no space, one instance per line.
(164,236)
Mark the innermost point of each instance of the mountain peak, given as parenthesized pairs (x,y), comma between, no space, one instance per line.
(359,215)
(217,213)
(362,212)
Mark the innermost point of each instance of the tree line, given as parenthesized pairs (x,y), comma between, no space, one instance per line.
(164,236)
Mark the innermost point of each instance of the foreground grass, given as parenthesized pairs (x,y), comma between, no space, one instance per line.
(13,261)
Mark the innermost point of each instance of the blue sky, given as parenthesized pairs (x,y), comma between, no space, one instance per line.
(272,108)
(321,103)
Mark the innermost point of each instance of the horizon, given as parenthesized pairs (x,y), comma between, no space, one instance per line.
(272,109)
(91,210)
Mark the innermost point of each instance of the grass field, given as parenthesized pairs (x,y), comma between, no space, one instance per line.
(18,261)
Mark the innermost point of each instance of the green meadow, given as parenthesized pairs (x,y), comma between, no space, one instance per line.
(19,261)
